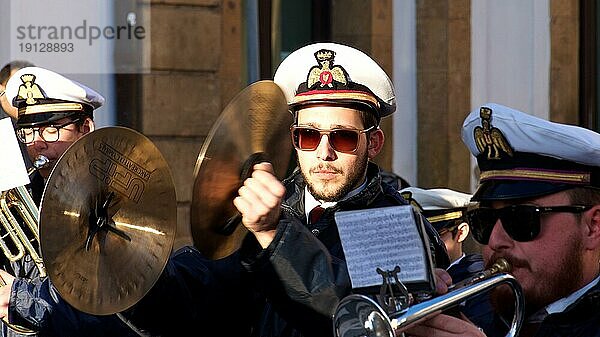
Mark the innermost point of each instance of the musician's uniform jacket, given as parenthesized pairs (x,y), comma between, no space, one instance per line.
(291,288)
(580,319)
(469,265)
(25,267)
(36,304)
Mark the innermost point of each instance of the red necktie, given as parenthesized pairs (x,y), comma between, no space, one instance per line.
(315,214)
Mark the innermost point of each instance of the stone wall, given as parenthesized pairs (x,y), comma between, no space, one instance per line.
(196,69)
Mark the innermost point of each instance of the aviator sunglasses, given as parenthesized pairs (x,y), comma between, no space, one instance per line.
(520,222)
(307,138)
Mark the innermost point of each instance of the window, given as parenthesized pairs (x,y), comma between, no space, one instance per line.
(286,25)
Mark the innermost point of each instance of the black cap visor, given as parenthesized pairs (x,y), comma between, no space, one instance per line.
(33,120)
(516,189)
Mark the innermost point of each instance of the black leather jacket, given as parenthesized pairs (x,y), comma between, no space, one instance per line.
(291,288)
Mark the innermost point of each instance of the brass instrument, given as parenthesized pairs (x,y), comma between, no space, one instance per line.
(16,239)
(358,315)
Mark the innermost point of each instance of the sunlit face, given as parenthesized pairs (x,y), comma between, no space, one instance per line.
(53,150)
(549,267)
(330,174)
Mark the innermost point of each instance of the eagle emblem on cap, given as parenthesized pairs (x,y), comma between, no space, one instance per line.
(325,74)
(29,90)
(407,195)
(489,139)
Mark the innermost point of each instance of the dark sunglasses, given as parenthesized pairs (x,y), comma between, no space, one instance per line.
(521,222)
(308,138)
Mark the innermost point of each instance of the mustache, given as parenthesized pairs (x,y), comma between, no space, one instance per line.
(326,167)
(513,261)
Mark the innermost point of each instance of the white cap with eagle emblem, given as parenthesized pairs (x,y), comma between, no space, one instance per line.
(336,74)
(43,96)
(523,156)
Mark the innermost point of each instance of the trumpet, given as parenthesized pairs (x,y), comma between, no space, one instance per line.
(358,315)
(18,238)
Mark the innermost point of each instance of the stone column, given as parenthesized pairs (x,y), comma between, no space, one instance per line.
(443,92)
(564,61)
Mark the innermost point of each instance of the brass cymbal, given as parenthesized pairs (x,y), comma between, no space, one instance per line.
(107,220)
(253,127)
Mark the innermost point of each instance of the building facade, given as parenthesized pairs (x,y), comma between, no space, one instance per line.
(445,58)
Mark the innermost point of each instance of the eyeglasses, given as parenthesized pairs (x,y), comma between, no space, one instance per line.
(308,138)
(2,93)
(48,133)
(521,222)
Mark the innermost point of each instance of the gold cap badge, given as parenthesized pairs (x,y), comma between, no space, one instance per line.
(489,139)
(29,90)
(326,73)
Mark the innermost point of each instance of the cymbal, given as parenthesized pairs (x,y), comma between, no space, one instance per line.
(107,220)
(252,128)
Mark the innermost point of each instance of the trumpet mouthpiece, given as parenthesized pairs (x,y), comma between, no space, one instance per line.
(40,162)
(501,266)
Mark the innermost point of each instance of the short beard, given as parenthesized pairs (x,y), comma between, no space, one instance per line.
(555,287)
(354,178)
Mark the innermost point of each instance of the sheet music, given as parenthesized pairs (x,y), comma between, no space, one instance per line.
(12,167)
(382,238)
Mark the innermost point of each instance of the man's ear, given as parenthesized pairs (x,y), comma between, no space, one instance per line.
(376,139)
(592,230)
(462,232)
(88,125)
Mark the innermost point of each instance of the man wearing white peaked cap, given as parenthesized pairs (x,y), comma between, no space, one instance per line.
(539,208)
(53,113)
(291,261)
(337,95)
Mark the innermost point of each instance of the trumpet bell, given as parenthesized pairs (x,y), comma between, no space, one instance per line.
(358,315)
